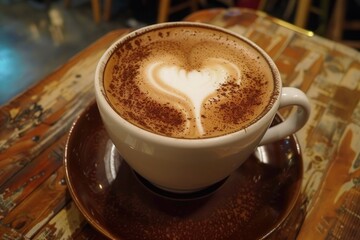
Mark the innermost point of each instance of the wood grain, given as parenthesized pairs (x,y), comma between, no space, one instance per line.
(34,201)
(35,204)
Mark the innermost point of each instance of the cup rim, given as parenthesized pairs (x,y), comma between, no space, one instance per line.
(101,99)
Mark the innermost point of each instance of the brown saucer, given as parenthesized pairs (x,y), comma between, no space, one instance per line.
(250,204)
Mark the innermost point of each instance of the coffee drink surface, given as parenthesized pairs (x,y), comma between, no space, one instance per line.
(188,82)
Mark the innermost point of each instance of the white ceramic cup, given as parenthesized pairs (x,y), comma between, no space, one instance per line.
(186,165)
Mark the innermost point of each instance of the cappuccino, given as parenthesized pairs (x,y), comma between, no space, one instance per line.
(186,81)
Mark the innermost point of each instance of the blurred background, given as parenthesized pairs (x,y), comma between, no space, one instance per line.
(37,36)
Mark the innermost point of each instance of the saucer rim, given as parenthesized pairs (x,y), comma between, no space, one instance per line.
(94,223)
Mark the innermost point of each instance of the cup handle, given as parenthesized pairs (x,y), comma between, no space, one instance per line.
(289,96)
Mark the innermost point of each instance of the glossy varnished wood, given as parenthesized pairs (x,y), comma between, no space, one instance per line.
(329,73)
(34,200)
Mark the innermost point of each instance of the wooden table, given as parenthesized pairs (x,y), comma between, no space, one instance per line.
(34,200)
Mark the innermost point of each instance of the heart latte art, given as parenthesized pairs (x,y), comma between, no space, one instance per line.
(188,82)
(192,86)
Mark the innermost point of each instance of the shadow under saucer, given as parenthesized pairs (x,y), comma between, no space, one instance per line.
(250,204)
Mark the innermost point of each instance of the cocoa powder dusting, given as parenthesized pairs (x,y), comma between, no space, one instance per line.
(241,110)
(141,110)
(236,104)
(241,102)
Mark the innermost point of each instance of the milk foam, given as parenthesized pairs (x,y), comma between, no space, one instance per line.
(188,82)
(192,86)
